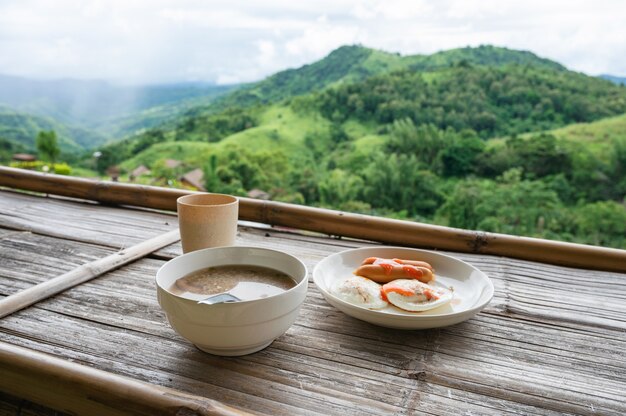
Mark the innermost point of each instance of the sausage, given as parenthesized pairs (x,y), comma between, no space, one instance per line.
(387,272)
(372,260)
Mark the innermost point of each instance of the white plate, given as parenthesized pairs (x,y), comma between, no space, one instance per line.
(472,288)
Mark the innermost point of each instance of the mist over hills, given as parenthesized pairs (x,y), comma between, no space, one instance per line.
(615,79)
(106,109)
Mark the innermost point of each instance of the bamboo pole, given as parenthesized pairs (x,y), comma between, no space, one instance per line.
(84,273)
(82,390)
(331,222)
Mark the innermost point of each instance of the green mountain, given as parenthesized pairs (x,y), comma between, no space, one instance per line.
(486,55)
(109,111)
(349,64)
(493,91)
(411,137)
(615,79)
(96,112)
(23,128)
(490,100)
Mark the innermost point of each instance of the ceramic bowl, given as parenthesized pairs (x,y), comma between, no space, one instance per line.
(237,328)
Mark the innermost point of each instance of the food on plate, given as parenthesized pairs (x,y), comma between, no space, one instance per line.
(249,282)
(415,296)
(360,291)
(386,270)
(371,260)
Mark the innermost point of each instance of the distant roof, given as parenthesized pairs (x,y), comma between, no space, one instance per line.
(24,157)
(139,170)
(194,178)
(172,163)
(113,171)
(258,194)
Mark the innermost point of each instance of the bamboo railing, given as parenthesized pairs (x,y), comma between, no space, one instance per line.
(331,222)
(82,390)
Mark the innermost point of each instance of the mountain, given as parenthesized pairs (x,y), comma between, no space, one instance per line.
(613,78)
(486,55)
(413,138)
(493,91)
(355,63)
(111,110)
(96,112)
(23,128)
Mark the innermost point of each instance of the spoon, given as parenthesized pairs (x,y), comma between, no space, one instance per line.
(220,298)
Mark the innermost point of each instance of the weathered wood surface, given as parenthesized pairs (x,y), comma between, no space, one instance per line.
(545,344)
(84,273)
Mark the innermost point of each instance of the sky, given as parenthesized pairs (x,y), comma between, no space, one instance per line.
(233,41)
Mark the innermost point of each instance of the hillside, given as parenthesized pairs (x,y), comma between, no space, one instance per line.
(106,110)
(96,112)
(491,100)
(416,143)
(478,138)
(349,64)
(23,128)
(614,79)
(486,55)
(595,137)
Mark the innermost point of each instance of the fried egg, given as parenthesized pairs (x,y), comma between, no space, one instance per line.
(360,291)
(415,296)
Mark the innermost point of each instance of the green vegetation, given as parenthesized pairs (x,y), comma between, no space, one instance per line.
(491,101)
(47,145)
(353,64)
(479,138)
(41,166)
(23,129)
(113,111)
(8,148)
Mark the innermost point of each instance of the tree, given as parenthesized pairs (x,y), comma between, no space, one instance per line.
(47,145)
(510,205)
(398,182)
(339,187)
(602,223)
(211,180)
(459,157)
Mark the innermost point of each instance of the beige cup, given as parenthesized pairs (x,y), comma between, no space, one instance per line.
(207,220)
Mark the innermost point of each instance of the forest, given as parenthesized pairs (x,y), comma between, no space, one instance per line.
(477,140)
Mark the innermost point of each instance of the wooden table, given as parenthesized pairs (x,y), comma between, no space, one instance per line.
(552,341)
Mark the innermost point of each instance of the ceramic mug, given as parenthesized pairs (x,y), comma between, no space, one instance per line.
(207,220)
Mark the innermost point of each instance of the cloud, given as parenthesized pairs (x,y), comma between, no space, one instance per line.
(143,41)
(320,38)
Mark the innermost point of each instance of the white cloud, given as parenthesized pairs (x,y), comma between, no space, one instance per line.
(320,38)
(244,40)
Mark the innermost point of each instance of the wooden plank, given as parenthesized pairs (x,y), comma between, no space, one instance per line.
(312,320)
(28,259)
(522,355)
(294,378)
(91,223)
(83,273)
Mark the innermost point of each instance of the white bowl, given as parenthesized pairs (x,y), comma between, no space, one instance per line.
(472,288)
(237,328)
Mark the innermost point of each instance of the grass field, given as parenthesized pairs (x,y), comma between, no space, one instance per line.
(597,136)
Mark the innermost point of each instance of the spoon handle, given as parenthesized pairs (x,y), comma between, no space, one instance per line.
(220,298)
